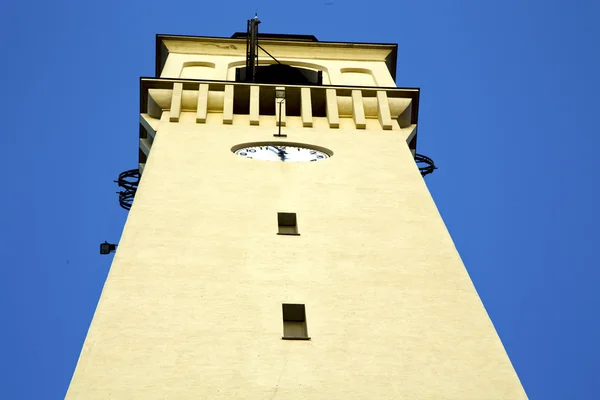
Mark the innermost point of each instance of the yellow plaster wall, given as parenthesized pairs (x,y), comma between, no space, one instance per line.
(192,305)
(191,308)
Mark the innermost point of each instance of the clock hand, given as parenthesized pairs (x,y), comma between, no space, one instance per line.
(280,152)
(278,149)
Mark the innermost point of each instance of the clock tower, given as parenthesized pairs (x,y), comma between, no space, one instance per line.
(282,242)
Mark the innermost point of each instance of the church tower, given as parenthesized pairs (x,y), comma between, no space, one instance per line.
(282,243)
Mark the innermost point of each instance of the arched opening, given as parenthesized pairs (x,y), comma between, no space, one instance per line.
(197,70)
(281,74)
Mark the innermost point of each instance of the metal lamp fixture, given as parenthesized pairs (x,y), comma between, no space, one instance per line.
(107,248)
(280,94)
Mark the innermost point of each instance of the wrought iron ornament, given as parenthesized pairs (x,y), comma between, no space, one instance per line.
(128,180)
(425,164)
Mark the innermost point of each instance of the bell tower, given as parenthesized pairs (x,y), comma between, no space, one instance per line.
(281,242)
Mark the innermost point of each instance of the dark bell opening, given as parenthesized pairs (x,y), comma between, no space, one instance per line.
(281,74)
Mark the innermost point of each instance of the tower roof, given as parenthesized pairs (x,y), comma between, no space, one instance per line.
(162,49)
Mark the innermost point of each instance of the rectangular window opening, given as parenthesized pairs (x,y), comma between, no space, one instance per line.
(288,224)
(266,100)
(241,99)
(293,102)
(294,322)
(319,102)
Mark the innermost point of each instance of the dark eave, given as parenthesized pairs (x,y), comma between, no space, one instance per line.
(147,83)
(278,36)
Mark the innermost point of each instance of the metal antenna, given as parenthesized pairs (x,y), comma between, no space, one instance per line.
(269,54)
(252,48)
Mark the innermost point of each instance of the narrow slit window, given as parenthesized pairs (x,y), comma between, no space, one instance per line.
(288,224)
(294,322)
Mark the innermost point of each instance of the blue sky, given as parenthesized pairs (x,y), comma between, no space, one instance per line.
(508,111)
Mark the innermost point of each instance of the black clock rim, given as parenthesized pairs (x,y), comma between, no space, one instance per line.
(282,143)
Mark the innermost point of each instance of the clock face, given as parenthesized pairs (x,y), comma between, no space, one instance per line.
(282,152)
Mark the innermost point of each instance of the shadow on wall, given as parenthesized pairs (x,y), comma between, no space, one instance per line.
(358,77)
(197,70)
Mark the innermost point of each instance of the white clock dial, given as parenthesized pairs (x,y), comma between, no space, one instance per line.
(282,152)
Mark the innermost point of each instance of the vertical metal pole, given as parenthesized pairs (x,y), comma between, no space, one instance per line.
(248,43)
(278,134)
(280,102)
(252,49)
